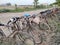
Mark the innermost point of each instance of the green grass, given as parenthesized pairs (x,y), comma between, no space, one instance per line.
(18,10)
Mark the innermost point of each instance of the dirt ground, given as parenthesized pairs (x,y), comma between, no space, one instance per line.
(4,17)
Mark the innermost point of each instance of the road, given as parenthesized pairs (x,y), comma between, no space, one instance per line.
(4,17)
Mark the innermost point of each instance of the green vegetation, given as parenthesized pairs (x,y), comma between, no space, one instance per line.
(16,8)
(36,3)
(56,3)
(20,9)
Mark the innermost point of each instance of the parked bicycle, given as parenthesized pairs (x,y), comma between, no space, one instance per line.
(20,38)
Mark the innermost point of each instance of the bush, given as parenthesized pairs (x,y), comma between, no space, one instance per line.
(4,10)
(41,6)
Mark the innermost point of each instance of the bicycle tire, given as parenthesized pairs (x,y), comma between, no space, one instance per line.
(38,36)
(55,40)
(44,26)
(2,36)
(26,38)
(53,25)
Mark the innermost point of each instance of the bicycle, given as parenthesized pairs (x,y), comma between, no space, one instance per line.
(17,22)
(48,12)
(41,22)
(17,27)
(33,30)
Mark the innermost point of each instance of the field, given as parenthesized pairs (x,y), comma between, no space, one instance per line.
(20,8)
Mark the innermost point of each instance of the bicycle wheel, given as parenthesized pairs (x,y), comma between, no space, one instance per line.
(55,40)
(34,25)
(35,33)
(44,26)
(23,38)
(2,35)
(53,25)
(13,26)
(37,36)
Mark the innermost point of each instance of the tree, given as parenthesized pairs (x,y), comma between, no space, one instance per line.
(58,2)
(8,4)
(16,7)
(36,3)
(55,3)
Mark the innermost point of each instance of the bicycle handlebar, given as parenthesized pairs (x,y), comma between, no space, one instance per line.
(2,25)
(14,19)
(5,25)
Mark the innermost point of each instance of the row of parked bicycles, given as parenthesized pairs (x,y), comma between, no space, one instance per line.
(28,29)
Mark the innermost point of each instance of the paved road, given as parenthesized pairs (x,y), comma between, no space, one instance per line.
(4,17)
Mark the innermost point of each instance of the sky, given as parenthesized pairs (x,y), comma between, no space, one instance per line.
(25,2)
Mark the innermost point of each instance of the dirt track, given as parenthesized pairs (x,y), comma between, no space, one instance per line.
(4,17)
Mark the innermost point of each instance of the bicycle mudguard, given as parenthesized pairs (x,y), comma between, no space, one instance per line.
(6,31)
(36,20)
